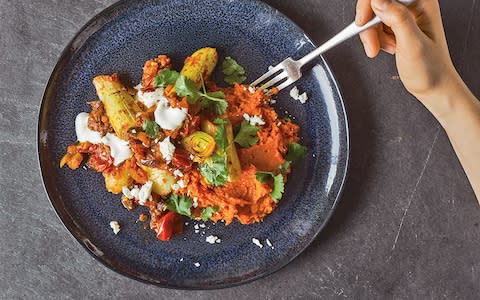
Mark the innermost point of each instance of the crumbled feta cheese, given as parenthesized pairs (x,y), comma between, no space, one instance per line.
(257,242)
(167,149)
(273,101)
(127,193)
(270,67)
(269,243)
(195,202)
(211,239)
(294,93)
(175,187)
(202,225)
(145,192)
(195,226)
(197,231)
(254,120)
(134,130)
(181,259)
(178,173)
(135,191)
(251,89)
(115,226)
(303,98)
(196,264)
(181,183)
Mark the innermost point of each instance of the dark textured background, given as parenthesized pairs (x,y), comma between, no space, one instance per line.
(408,222)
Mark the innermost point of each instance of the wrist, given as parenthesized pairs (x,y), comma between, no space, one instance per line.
(453,99)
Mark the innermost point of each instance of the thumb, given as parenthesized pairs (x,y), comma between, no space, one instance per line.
(399,19)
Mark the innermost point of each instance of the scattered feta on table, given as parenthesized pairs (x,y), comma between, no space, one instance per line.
(115,226)
(295,94)
(257,242)
(196,264)
(212,239)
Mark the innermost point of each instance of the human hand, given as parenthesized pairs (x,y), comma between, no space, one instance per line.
(415,35)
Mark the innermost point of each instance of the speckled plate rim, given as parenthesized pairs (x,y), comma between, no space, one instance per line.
(92,26)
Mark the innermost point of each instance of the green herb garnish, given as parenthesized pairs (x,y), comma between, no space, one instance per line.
(165,77)
(247,135)
(207,213)
(180,204)
(278,184)
(214,169)
(151,128)
(232,71)
(295,152)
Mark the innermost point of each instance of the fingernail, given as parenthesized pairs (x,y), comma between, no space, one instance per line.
(381,5)
(358,19)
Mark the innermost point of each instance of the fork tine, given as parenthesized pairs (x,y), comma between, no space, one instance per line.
(266,75)
(283,75)
(285,84)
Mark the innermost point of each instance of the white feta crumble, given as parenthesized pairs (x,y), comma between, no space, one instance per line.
(178,173)
(295,94)
(191,157)
(175,187)
(181,259)
(273,101)
(269,244)
(251,89)
(127,193)
(202,225)
(196,264)
(257,242)
(167,149)
(195,226)
(115,226)
(135,191)
(195,202)
(197,231)
(181,183)
(212,239)
(145,192)
(254,120)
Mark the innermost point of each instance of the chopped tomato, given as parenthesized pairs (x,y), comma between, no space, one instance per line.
(167,225)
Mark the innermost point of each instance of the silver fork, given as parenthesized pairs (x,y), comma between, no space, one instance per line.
(289,70)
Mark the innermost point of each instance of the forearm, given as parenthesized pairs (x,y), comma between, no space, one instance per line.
(458,111)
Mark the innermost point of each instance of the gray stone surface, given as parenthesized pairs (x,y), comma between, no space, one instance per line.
(408,222)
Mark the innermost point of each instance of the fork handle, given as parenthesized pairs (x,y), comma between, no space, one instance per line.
(350,31)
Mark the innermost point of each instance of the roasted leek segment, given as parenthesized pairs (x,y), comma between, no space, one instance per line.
(200,65)
(200,144)
(120,107)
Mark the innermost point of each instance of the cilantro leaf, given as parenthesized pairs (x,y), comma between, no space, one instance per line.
(247,136)
(295,152)
(278,187)
(165,77)
(278,184)
(284,167)
(151,128)
(221,134)
(185,87)
(180,204)
(263,177)
(215,101)
(207,213)
(214,170)
(232,71)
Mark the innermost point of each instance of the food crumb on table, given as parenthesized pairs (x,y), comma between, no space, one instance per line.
(257,242)
(115,226)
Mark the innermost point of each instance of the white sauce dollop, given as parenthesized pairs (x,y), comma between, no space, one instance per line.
(85,134)
(151,98)
(119,149)
(169,118)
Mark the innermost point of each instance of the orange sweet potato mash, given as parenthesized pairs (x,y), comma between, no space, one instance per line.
(186,147)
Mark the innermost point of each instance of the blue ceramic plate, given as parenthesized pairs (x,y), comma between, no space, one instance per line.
(120,39)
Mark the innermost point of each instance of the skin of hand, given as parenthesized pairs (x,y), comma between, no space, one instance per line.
(415,35)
